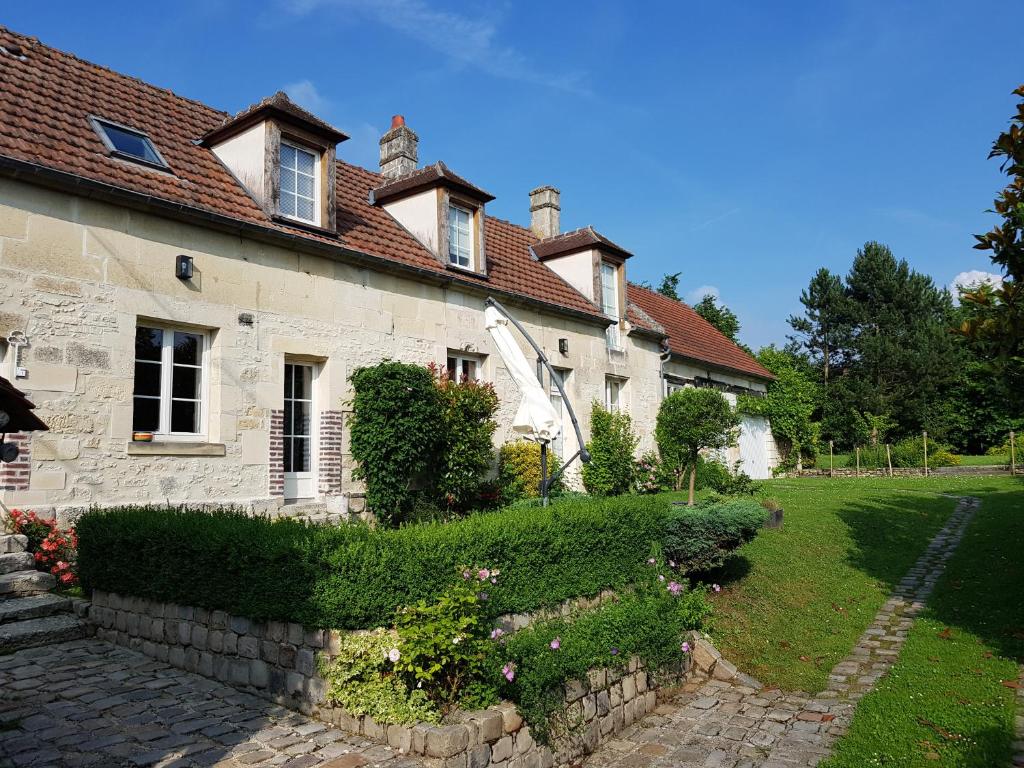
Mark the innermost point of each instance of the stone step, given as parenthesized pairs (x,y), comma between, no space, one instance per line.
(26,583)
(41,631)
(16,561)
(32,607)
(13,542)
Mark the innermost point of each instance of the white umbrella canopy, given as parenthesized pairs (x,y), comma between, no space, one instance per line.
(536,418)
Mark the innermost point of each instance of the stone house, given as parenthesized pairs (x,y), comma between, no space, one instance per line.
(214,279)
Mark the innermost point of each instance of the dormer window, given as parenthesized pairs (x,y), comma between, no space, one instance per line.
(128,143)
(460,236)
(300,170)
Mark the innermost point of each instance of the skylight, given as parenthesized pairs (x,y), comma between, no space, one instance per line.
(128,143)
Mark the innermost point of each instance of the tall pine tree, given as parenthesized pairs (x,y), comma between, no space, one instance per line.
(823,328)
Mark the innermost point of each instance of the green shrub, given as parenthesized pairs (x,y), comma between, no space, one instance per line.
(702,537)
(648,622)
(363,679)
(396,434)
(910,453)
(467,410)
(611,470)
(354,577)
(519,471)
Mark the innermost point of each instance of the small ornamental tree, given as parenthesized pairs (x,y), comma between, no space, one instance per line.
(689,421)
(612,469)
(468,408)
(396,434)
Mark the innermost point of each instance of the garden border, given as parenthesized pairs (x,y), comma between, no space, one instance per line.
(279,661)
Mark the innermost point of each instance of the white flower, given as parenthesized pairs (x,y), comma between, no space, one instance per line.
(394,655)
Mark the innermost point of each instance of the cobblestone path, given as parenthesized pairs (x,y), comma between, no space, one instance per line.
(90,703)
(728,725)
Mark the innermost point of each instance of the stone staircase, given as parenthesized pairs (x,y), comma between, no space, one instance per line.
(312,512)
(29,614)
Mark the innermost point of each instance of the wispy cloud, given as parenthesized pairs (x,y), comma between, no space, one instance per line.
(715,219)
(694,296)
(305,94)
(460,38)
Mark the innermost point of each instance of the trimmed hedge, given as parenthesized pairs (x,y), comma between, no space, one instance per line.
(702,537)
(354,577)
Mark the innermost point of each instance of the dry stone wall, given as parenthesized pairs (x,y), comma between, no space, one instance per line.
(279,661)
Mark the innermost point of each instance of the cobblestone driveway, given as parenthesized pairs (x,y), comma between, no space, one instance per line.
(91,703)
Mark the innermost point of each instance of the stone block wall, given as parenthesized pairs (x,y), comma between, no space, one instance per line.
(279,661)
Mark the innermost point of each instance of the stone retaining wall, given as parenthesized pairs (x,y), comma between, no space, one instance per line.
(902,471)
(278,661)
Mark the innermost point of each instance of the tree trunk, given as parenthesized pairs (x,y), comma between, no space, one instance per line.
(693,481)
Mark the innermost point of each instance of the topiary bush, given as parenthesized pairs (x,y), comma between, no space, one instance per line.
(611,470)
(701,537)
(354,577)
(396,434)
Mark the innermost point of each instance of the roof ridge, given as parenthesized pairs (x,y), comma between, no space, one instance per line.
(36,41)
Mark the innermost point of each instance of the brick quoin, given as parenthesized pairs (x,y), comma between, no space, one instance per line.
(16,475)
(329,464)
(277,452)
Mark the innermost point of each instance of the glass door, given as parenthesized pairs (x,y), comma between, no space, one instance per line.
(299,477)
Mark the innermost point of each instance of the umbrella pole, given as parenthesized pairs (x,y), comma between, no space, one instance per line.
(544,473)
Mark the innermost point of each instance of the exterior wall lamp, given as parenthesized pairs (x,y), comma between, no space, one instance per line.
(183,267)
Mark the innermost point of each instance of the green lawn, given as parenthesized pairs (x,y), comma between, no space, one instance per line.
(944,702)
(795,600)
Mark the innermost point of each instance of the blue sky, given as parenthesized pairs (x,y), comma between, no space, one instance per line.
(743,144)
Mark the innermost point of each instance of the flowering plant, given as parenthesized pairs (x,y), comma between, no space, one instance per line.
(54,550)
(443,645)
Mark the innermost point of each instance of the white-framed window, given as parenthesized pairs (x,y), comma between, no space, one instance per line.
(460,236)
(561,375)
(300,171)
(171,372)
(609,290)
(613,393)
(463,367)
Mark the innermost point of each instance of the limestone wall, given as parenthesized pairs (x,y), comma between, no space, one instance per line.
(77,276)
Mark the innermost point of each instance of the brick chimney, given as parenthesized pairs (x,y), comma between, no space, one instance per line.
(398,149)
(545,209)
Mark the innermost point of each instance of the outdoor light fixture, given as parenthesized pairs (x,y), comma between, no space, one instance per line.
(183,269)
(563,346)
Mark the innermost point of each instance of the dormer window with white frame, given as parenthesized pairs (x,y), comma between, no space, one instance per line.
(299,190)
(460,236)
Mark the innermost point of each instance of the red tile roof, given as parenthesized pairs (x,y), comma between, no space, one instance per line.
(278,104)
(425,178)
(693,337)
(47,97)
(577,240)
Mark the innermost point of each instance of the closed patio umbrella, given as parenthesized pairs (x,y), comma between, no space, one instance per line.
(536,419)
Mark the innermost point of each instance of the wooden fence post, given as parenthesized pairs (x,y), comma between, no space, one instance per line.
(831,471)
(888,458)
(925,435)
(856,451)
(1013,454)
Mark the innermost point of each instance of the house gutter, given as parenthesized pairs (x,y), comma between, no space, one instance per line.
(41,175)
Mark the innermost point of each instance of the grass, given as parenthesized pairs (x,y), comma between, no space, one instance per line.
(945,701)
(795,600)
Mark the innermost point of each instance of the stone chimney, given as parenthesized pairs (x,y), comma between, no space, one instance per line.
(398,149)
(545,209)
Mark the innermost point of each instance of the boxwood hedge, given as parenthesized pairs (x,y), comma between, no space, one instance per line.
(352,577)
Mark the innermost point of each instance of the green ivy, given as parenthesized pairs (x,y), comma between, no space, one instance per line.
(395,434)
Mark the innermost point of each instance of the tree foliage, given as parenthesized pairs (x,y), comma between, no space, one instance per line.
(689,421)
(719,315)
(821,331)
(670,286)
(612,467)
(790,402)
(997,324)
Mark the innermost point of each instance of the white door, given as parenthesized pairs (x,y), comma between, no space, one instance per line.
(753,444)
(299,476)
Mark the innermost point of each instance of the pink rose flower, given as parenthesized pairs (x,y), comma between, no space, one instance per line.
(556,644)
